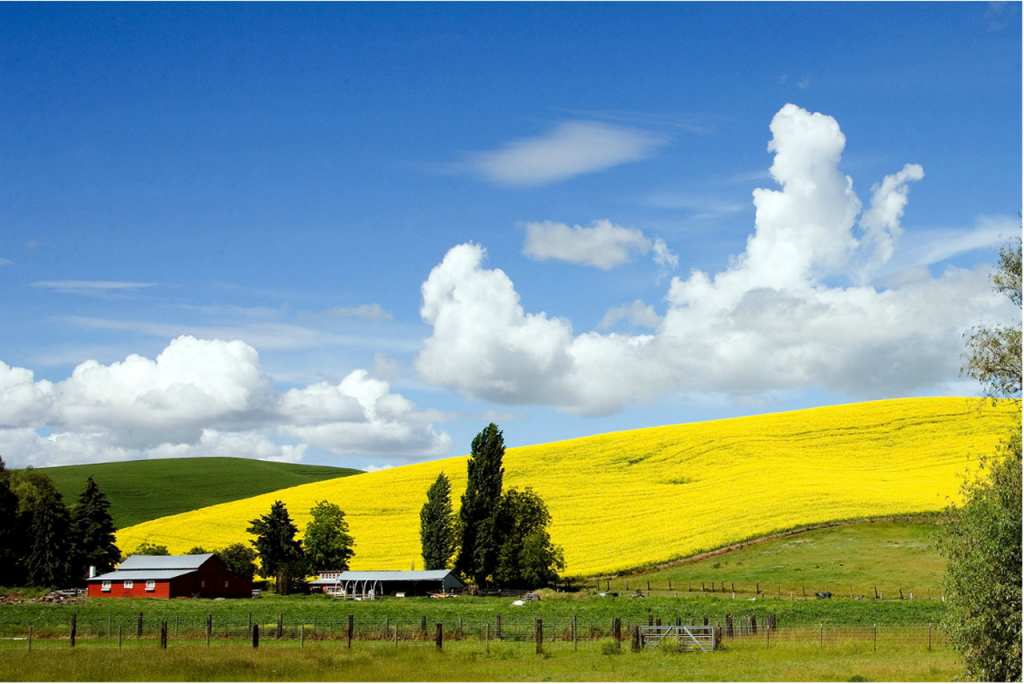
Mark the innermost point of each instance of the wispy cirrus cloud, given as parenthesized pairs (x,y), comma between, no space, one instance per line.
(571,148)
(91,288)
(265,335)
(370,312)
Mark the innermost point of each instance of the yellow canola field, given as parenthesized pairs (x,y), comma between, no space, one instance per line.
(627,499)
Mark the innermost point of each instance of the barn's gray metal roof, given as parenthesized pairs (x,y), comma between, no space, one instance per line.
(188,562)
(389,576)
(139,575)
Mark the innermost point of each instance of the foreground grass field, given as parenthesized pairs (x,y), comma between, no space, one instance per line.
(632,499)
(145,490)
(740,660)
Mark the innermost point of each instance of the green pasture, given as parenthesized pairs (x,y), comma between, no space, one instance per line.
(856,558)
(473,660)
(145,490)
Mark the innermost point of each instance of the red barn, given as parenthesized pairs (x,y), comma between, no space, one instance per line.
(198,575)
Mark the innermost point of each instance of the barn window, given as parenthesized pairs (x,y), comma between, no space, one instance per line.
(105,586)
(225,584)
(202,583)
(150,585)
(128,584)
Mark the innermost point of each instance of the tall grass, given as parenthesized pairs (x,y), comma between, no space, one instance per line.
(740,660)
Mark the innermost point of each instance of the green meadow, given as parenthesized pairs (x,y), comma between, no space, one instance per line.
(856,558)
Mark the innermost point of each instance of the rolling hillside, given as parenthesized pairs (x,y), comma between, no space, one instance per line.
(629,499)
(144,490)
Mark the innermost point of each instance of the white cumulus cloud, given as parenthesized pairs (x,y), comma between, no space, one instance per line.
(603,245)
(572,148)
(768,322)
(202,397)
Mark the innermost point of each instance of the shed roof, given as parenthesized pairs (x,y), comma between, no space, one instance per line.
(139,575)
(187,562)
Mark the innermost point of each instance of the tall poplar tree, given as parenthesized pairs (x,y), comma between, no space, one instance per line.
(481,534)
(438,525)
(92,532)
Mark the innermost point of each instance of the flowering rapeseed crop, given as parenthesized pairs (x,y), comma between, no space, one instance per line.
(627,499)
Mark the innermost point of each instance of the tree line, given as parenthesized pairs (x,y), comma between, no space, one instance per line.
(42,541)
(498,539)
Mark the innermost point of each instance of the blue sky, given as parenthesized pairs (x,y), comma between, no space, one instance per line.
(356,233)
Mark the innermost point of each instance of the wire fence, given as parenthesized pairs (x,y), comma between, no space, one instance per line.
(116,630)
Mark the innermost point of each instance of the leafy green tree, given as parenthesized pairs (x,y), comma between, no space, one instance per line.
(326,541)
(196,551)
(12,533)
(982,542)
(993,355)
(280,552)
(982,538)
(92,530)
(50,545)
(148,549)
(239,558)
(527,557)
(480,532)
(438,525)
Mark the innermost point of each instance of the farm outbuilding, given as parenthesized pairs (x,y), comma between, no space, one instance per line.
(197,575)
(386,582)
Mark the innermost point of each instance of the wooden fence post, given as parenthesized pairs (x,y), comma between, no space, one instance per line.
(209,627)
(138,630)
(439,637)
(728,626)
(648,586)
(119,637)
(280,625)
(874,641)
(929,636)
(574,632)
(617,631)
(423,625)
(634,635)
(302,635)
(248,630)
(753,624)
(487,636)
(163,634)
(348,631)
(538,635)
(497,627)
(74,628)
(255,636)
(30,638)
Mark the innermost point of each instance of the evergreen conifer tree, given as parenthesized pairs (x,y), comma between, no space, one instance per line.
(50,551)
(12,535)
(481,534)
(92,532)
(280,552)
(438,525)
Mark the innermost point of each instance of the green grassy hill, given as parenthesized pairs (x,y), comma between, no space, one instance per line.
(890,555)
(146,490)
